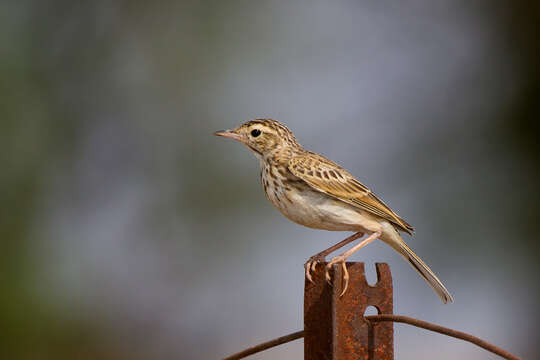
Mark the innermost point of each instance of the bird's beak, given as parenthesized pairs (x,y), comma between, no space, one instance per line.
(230,134)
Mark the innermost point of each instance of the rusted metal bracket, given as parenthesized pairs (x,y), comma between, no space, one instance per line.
(335,327)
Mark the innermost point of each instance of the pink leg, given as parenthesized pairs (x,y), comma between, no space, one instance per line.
(341,259)
(311,264)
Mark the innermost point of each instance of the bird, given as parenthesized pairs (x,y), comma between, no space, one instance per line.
(315,192)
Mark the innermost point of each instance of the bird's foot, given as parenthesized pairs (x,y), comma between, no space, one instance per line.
(340,259)
(311,265)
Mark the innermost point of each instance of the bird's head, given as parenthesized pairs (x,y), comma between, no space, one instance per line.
(262,136)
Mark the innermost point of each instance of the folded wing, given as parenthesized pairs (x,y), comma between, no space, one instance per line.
(327,177)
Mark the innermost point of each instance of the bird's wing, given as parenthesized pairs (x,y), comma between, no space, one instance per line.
(327,177)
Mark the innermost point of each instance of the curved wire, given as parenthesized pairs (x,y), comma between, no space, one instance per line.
(385,317)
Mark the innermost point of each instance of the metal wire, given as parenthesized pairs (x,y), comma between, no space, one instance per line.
(266,345)
(386,317)
(443,330)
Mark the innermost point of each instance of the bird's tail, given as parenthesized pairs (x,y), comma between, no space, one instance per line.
(393,239)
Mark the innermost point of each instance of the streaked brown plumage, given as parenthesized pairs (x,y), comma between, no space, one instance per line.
(316,192)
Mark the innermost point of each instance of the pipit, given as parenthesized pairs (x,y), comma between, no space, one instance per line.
(315,192)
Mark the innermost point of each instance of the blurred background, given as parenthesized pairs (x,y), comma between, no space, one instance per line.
(130,232)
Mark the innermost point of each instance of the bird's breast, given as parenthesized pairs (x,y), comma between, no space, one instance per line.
(306,206)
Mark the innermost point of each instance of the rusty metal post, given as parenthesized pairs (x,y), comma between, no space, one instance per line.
(334,326)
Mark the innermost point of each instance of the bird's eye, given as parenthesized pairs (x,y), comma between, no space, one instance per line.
(255,132)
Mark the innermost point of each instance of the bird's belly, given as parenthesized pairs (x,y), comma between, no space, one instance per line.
(319,211)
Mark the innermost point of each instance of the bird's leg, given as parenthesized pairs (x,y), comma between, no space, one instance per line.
(311,264)
(341,259)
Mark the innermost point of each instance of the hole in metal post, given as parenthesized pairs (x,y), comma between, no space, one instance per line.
(371,274)
(371,310)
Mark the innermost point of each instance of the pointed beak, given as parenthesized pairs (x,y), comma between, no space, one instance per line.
(230,134)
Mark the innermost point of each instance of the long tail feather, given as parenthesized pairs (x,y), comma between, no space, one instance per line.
(401,247)
(426,273)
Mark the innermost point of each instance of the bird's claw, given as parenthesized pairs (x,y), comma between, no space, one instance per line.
(311,265)
(338,260)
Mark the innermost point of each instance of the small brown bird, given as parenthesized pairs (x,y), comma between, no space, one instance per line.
(315,192)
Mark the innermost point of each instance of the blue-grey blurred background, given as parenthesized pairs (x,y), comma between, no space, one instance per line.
(130,232)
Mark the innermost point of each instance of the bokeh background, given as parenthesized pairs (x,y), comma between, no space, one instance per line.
(129,232)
